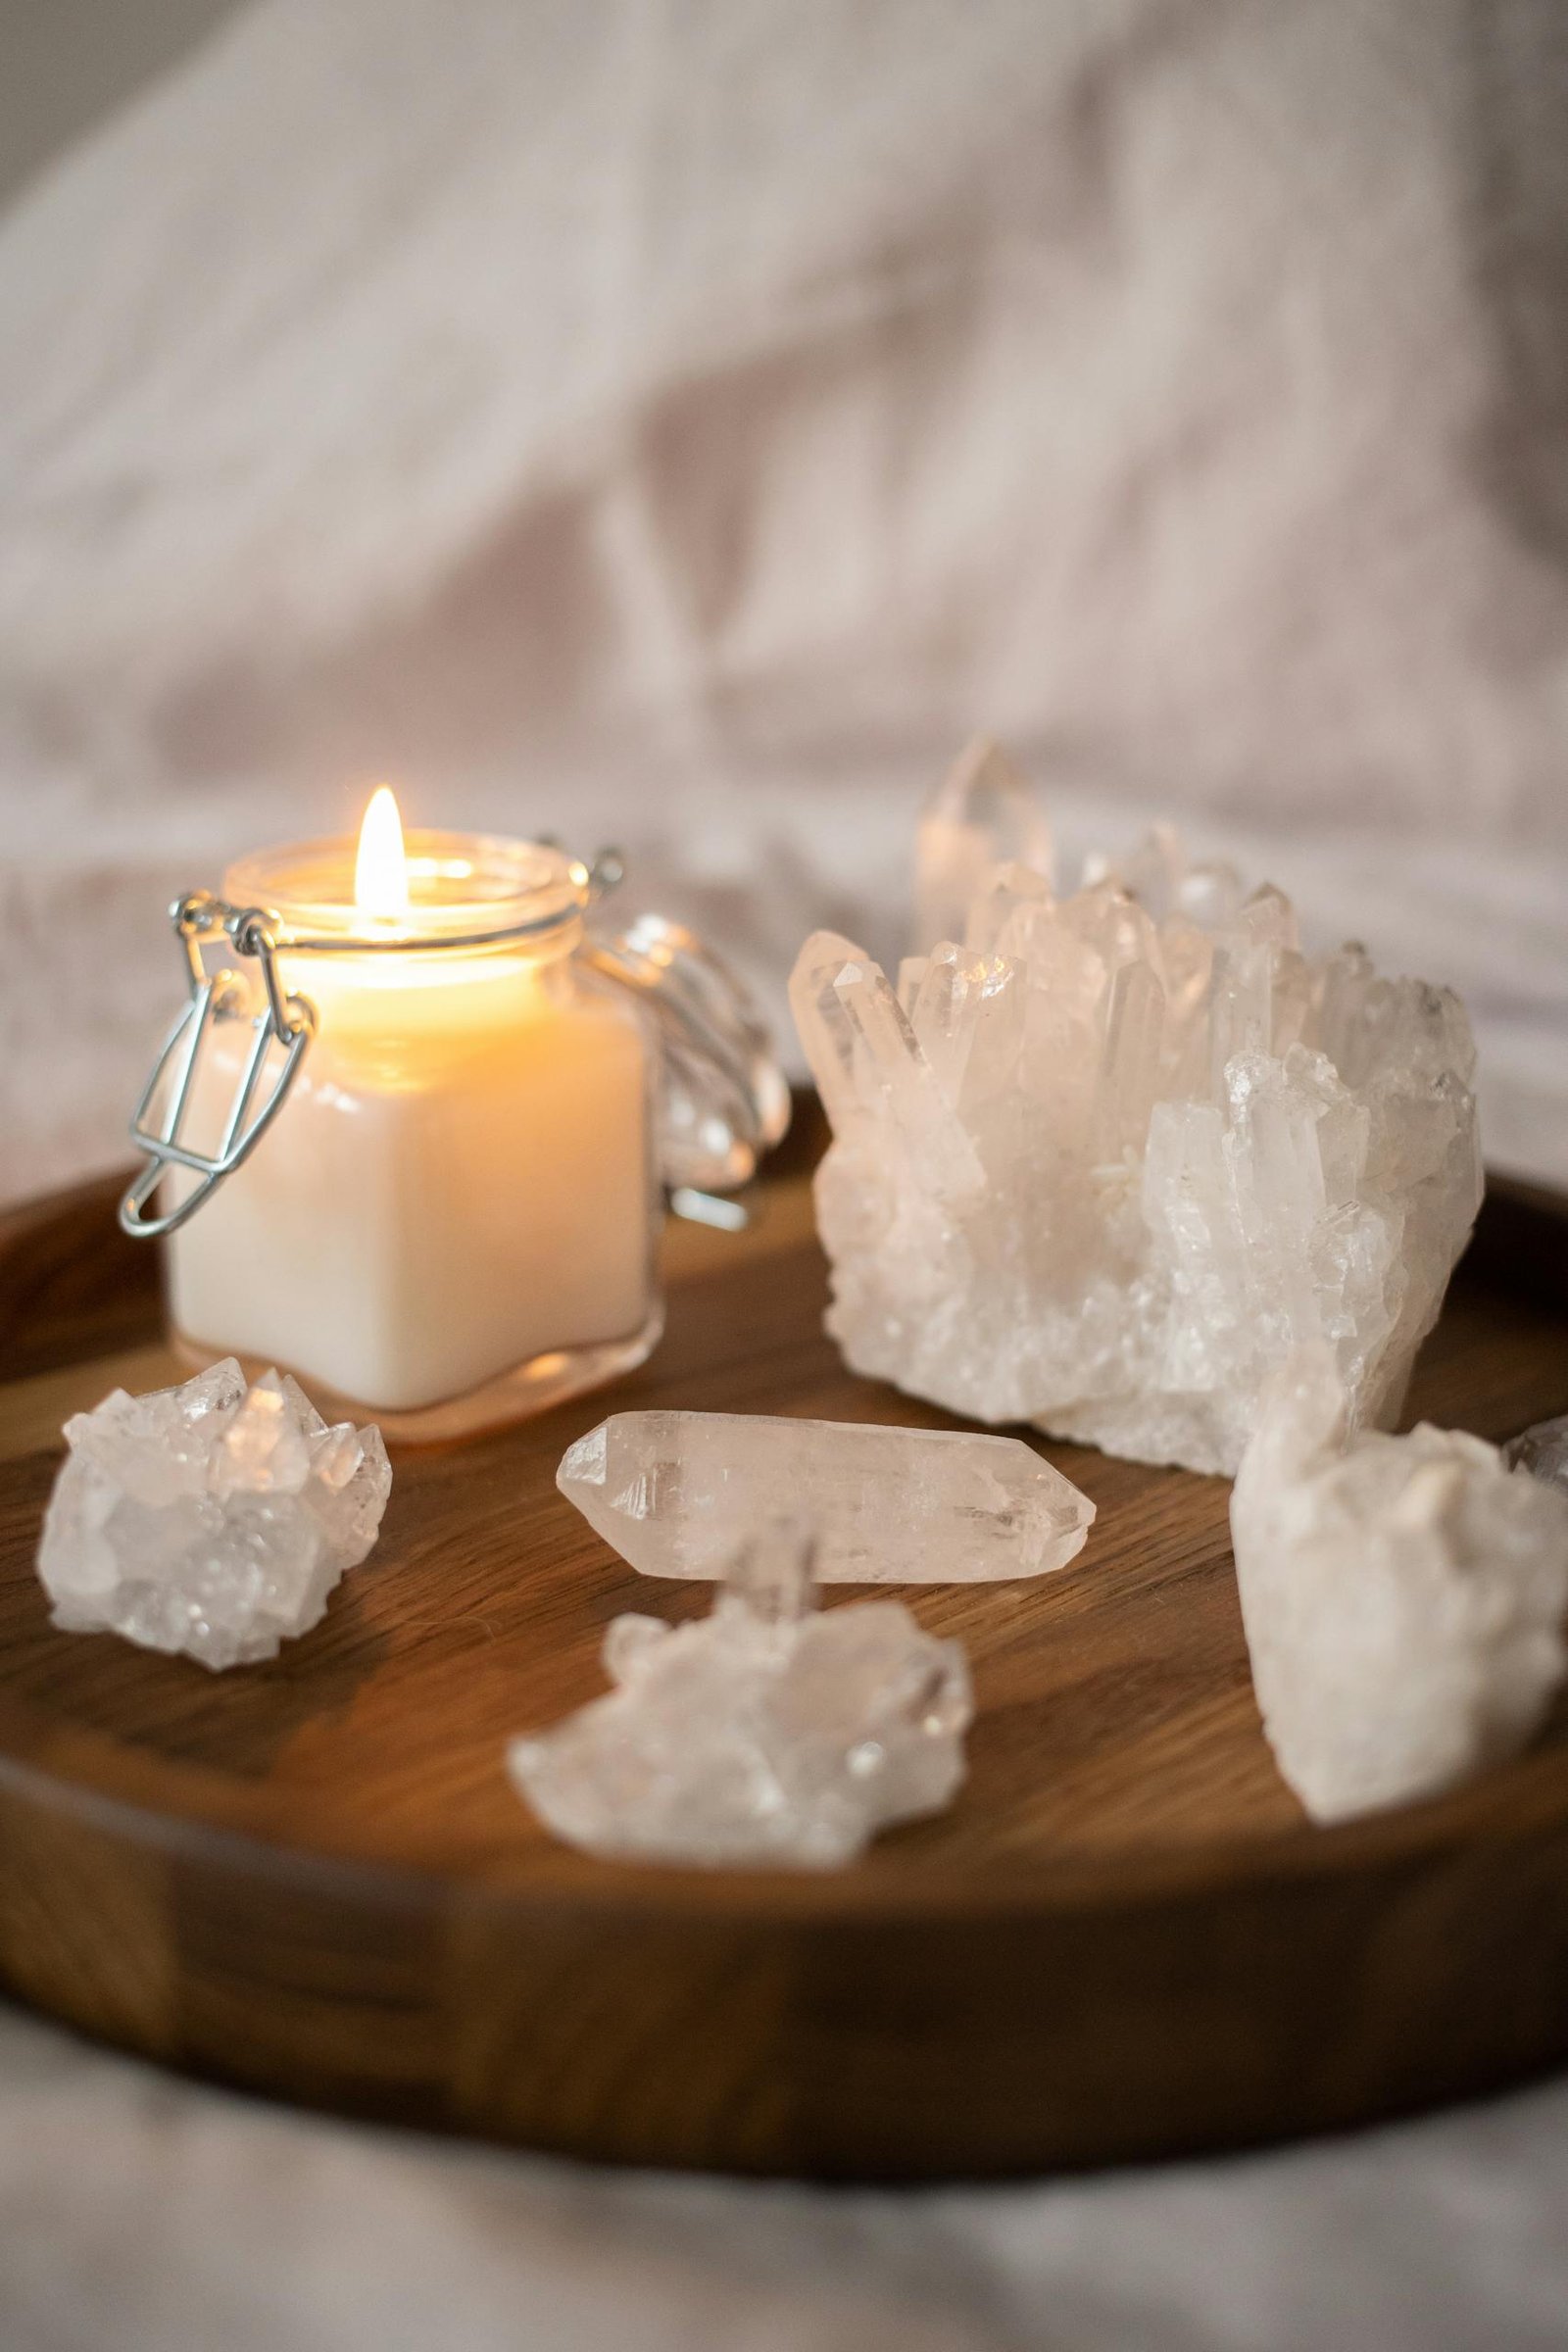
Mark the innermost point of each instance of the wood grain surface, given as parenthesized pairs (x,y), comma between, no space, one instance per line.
(313,1878)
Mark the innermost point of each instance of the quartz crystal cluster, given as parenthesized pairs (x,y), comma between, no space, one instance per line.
(1102,1162)
(678,1493)
(213,1518)
(1404,1597)
(764,1733)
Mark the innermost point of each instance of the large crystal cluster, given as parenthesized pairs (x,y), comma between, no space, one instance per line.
(1106,1161)
(1404,1597)
(762,1733)
(214,1518)
(678,1495)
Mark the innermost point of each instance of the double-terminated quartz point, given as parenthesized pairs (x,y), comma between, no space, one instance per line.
(1404,1597)
(761,1734)
(1102,1162)
(679,1495)
(214,1518)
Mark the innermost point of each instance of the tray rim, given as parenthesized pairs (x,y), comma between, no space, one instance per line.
(1004,1917)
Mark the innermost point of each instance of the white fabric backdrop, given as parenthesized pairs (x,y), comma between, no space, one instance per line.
(686,422)
(689,421)
(140,2216)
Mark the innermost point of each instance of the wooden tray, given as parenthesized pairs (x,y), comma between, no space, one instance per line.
(313,1878)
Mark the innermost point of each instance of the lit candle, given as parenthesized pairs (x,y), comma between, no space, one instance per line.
(451,1216)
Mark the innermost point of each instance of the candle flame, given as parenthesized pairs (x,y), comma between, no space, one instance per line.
(380,870)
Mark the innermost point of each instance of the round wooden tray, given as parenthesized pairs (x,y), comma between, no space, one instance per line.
(313,1878)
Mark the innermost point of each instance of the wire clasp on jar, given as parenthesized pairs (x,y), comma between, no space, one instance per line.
(283,1021)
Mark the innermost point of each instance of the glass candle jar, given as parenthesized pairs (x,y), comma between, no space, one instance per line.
(408,1152)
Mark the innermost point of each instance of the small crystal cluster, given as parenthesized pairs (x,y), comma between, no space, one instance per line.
(678,1493)
(1102,1163)
(762,1733)
(213,1518)
(1404,1597)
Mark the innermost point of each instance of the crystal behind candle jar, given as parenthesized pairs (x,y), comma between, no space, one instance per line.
(452,1221)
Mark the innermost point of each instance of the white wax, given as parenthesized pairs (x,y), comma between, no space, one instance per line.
(456,1184)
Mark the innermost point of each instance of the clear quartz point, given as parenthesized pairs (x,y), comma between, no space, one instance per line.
(982,816)
(1404,1597)
(1542,1450)
(1155,871)
(213,1519)
(680,1494)
(1130,1067)
(765,1734)
(1131,1149)
(1267,919)
(870,1062)
(1009,891)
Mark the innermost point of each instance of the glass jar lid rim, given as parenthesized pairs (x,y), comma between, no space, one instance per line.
(466,890)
